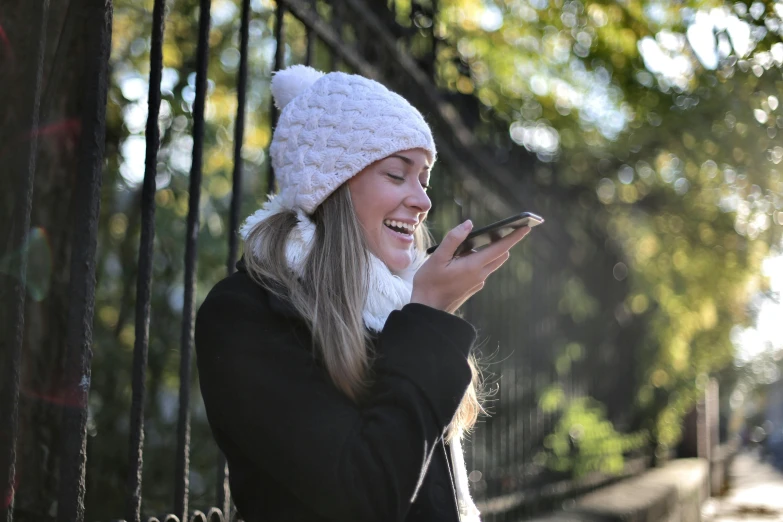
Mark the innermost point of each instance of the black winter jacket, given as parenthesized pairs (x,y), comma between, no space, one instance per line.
(297,448)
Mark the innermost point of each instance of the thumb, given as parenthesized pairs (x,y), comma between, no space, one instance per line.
(452,241)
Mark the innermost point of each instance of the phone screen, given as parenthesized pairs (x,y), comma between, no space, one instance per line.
(484,236)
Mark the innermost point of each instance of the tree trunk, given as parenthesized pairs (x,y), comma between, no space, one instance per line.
(57,33)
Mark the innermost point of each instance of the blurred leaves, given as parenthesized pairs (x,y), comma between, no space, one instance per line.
(584,440)
(669,114)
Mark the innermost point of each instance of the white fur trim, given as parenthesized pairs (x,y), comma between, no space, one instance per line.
(271,207)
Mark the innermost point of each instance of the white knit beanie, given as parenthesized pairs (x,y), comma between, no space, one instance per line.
(332,126)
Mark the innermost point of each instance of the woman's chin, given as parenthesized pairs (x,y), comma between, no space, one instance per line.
(397,260)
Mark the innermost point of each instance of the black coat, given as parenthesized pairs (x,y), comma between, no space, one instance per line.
(300,450)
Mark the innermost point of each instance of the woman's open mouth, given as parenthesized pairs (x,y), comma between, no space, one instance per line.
(401,231)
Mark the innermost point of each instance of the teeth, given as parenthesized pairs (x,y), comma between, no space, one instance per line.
(400,224)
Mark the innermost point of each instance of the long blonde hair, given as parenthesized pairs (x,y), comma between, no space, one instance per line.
(331,291)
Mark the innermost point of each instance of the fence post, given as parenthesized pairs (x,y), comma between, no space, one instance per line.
(87,192)
(144,277)
(279,61)
(188,315)
(13,285)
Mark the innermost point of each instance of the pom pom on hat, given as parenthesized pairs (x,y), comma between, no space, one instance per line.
(291,82)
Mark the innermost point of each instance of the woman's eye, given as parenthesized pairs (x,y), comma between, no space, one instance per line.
(402,178)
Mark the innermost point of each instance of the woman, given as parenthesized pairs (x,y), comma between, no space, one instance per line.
(333,370)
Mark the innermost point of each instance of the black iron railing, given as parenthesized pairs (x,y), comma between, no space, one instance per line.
(144,275)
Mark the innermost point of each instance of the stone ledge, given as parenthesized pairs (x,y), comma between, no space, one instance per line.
(672,493)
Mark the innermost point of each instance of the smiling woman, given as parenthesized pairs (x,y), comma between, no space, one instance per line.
(336,379)
(390,201)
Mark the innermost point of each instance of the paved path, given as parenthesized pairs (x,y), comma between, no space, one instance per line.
(756,493)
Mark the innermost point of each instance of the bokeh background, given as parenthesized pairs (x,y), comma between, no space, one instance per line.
(645,132)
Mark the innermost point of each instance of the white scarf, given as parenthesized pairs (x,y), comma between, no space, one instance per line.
(387,292)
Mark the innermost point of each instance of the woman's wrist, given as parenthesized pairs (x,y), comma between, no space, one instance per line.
(424,299)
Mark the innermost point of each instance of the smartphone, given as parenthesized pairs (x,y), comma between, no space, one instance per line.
(489,234)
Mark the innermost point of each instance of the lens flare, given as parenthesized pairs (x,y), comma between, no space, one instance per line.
(37,248)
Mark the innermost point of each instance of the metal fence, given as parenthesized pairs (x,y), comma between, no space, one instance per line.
(529,344)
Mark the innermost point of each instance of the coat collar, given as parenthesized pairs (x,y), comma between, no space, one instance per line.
(280,306)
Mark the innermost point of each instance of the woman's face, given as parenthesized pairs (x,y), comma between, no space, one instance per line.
(390,200)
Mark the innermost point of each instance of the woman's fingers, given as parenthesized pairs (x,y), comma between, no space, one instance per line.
(445,282)
(452,241)
(495,263)
(498,248)
(476,288)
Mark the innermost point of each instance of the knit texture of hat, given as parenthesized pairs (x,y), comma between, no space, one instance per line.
(332,126)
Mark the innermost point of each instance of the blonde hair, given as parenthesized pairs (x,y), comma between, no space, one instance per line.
(331,291)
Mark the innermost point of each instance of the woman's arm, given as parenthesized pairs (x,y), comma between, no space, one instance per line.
(266,395)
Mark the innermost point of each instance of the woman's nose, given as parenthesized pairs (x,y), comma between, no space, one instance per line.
(419,199)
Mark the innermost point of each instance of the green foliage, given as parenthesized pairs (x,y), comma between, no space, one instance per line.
(583,440)
(675,155)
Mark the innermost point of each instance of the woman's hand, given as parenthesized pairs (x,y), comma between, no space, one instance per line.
(445,282)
